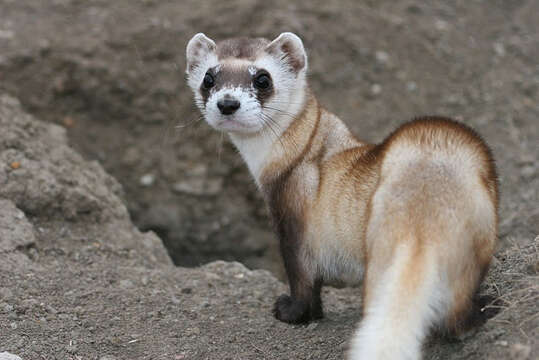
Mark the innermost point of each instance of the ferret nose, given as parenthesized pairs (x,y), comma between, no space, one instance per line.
(228,106)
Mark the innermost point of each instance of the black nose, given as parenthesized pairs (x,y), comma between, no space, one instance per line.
(228,106)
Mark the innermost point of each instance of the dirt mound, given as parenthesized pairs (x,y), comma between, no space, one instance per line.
(49,190)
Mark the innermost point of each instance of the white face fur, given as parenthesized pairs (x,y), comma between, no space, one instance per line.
(248,86)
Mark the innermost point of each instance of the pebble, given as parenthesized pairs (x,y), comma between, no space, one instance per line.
(72,349)
(382,57)
(5,293)
(520,352)
(441,25)
(376,89)
(8,356)
(6,34)
(147,180)
(199,186)
(528,171)
(126,284)
(50,309)
(499,49)
(411,86)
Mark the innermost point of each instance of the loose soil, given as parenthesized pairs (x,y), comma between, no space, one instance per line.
(111,75)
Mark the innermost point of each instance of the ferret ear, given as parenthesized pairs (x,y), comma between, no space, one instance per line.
(289,47)
(198,49)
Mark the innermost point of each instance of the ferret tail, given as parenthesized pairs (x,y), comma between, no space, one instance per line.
(402,301)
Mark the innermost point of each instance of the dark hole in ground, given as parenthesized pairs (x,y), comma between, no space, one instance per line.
(188,186)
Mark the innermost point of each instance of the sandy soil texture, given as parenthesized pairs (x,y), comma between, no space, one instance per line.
(80,276)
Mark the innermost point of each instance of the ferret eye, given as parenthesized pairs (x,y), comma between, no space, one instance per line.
(209,81)
(262,81)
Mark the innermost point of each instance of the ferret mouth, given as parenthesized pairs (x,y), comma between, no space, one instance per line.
(231,124)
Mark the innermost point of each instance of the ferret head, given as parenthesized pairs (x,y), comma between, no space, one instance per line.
(246,85)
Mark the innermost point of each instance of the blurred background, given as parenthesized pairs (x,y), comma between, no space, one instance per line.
(112,73)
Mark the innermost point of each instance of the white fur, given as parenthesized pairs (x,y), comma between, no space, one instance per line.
(254,137)
(397,319)
(286,103)
(245,119)
(394,327)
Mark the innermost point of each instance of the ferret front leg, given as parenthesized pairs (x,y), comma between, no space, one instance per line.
(304,302)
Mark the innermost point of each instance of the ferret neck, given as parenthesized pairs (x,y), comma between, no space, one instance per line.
(264,148)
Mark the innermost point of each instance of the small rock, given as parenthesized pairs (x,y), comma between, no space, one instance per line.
(411,86)
(126,284)
(499,49)
(6,34)
(441,25)
(382,57)
(108,357)
(528,171)
(8,356)
(50,309)
(72,349)
(376,89)
(147,180)
(188,187)
(501,343)
(13,325)
(68,121)
(520,352)
(199,186)
(5,293)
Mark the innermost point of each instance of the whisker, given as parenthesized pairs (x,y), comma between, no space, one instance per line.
(180,126)
(220,147)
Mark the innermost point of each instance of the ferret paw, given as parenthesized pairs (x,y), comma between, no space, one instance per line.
(317,313)
(291,311)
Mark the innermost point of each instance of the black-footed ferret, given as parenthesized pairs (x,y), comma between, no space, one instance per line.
(415,217)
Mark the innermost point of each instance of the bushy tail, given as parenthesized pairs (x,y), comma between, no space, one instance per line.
(402,301)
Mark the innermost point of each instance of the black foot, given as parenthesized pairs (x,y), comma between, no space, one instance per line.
(294,311)
(317,312)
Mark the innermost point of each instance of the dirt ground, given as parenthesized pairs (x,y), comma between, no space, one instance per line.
(111,75)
